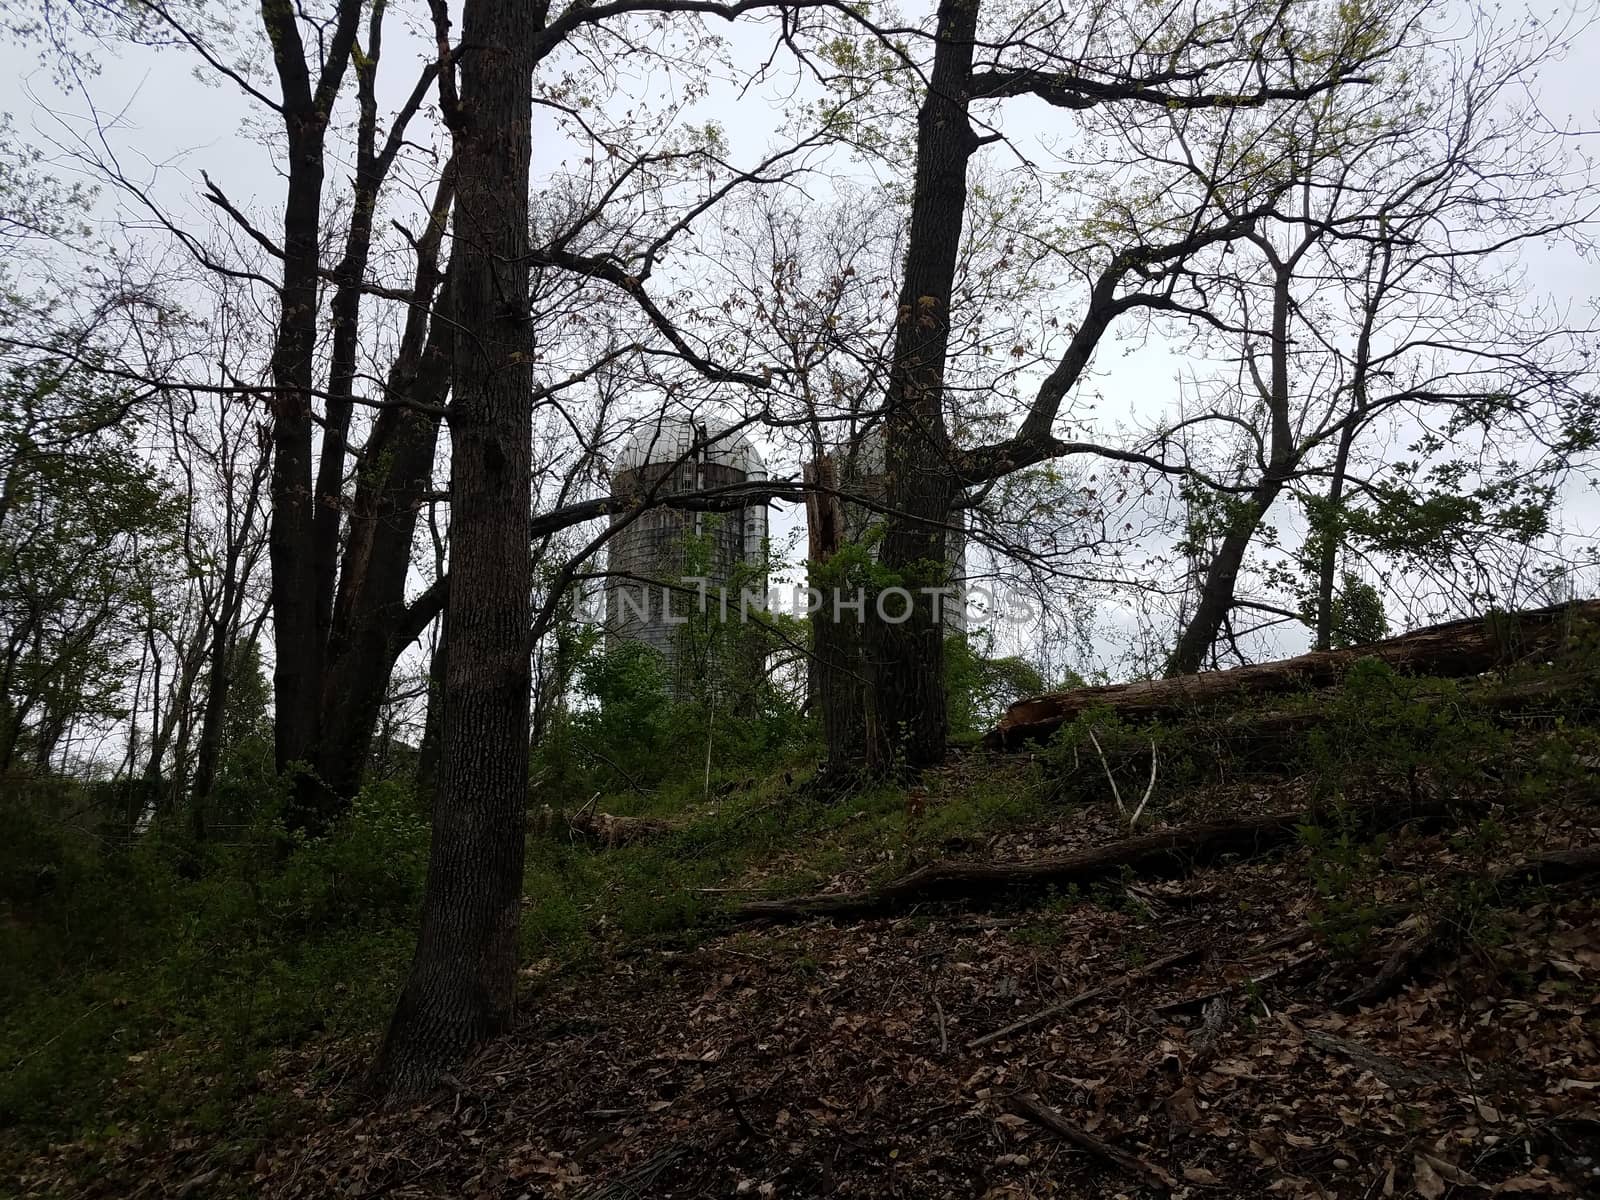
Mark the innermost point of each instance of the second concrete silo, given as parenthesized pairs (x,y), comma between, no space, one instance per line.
(651,552)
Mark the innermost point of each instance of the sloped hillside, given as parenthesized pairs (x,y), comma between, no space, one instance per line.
(1351,949)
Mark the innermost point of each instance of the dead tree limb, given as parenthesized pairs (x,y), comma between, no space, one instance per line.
(1164,853)
(1214,1020)
(1391,1070)
(1116,792)
(1402,963)
(1094,993)
(600,828)
(1047,1118)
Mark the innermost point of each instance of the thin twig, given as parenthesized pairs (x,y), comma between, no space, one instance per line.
(1134,820)
(1094,993)
(1116,793)
(1046,1117)
(45,1045)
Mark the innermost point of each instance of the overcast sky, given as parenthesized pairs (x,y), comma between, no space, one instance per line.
(166,126)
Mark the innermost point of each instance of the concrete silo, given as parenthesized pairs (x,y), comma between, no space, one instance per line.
(663,544)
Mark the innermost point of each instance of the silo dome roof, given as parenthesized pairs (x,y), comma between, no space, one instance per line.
(668,439)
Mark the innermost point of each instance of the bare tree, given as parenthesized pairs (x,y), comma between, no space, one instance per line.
(1138,244)
(1387,297)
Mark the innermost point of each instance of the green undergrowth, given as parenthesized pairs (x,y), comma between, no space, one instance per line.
(149,984)
(151,987)
(771,836)
(1379,727)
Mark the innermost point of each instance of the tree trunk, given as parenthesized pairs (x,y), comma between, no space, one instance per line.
(383,519)
(367,629)
(47,735)
(838,671)
(208,749)
(1331,538)
(908,725)
(296,572)
(1222,576)
(334,634)
(1221,582)
(461,988)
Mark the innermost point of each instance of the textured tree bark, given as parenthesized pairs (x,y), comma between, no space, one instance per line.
(461,987)
(297,657)
(908,725)
(838,671)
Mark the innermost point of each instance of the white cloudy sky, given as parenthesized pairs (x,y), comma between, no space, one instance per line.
(166,127)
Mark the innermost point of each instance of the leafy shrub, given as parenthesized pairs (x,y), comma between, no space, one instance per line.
(1073,769)
(1342,866)
(367,872)
(630,738)
(164,962)
(1408,725)
(978,687)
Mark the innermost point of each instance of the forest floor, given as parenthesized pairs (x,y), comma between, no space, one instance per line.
(1206,1046)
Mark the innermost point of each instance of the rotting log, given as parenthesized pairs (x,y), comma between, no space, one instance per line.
(602,829)
(1451,650)
(1267,741)
(1163,853)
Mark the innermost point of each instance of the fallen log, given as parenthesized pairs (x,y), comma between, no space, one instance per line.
(1403,962)
(1390,1070)
(1164,853)
(1273,741)
(601,828)
(1454,649)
